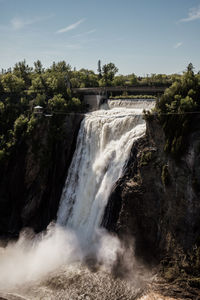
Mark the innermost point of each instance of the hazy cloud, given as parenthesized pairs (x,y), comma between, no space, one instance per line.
(85,33)
(73,46)
(70,27)
(19,23)
(177,45)
(193,14)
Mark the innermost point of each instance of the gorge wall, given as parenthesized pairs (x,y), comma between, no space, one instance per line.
(33,177)
(157,202)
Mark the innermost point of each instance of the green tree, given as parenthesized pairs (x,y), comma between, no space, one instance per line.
(61,66)
(38,67)
(109,71)
(37,85)
(74,104)
(57,103)
(20,126)
(190,68)
(12,84)
(119,81)
(1,87)
(133,79)
(99,69)
(22,70)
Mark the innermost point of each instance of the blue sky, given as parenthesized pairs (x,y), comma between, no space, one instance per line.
(140,36)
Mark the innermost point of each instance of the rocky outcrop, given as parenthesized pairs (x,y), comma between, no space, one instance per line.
(157,202)
(32,179)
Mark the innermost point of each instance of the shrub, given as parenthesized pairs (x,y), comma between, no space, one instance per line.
(145,158)
(57,103)
(20,126)
(2,154)
(165,176)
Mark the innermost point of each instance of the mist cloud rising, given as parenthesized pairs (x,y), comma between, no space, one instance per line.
(33,257)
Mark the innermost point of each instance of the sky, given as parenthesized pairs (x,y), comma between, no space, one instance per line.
(138,36)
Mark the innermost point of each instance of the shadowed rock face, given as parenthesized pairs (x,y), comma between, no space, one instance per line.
(32,180)
(157,200)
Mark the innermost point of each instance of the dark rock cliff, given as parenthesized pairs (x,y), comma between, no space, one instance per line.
(32,179)
(158,202)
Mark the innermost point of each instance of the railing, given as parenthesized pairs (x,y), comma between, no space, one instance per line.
(97,90)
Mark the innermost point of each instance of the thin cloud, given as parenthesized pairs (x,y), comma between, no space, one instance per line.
(19,23)
(73,46)
(70,27)
(193,14)
(177,45)
(85,33)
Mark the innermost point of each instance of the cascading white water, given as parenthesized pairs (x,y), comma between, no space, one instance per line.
(103,146)
(131,103)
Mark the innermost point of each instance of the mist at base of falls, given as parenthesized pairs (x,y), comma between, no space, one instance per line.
(52,265)
(76,258)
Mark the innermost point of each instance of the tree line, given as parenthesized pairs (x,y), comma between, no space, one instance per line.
(23,87)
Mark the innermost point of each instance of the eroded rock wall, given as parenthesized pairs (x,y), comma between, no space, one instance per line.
(32,179)
(157,201)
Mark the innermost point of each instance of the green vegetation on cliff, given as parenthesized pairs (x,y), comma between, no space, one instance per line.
(176,110)
(23,88)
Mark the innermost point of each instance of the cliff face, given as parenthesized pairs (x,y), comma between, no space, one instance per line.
(32,180)
(157,202)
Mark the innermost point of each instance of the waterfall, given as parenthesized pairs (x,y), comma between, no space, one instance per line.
(131,103)
(103,147)
(56,264)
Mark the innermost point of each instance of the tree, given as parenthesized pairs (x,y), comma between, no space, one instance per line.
(61,66)
(119,81)
(37,85)
(109,71)
(38,67)
(84,78)
(22,70)
(190,68)
(1,87)
(57,103)
(12,83)
(74,104)
(99,69)
(20,126)
(133,79)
